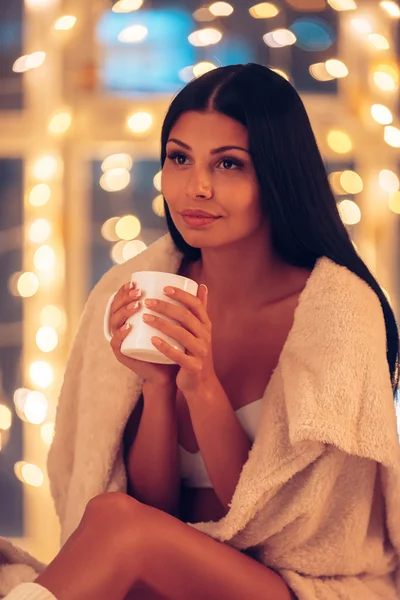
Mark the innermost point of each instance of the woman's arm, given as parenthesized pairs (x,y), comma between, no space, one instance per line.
(153,458)
(223,443)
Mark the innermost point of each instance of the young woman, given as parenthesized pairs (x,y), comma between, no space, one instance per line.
(249,207)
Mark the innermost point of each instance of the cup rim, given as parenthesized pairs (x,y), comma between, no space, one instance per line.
(163,273)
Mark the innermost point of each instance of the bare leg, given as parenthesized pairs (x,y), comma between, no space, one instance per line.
(123,547)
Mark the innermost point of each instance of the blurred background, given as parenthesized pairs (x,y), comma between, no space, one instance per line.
(84,86)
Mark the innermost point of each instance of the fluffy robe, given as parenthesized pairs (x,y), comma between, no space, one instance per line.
(319,494)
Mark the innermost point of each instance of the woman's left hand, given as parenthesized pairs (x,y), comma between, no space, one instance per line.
(192,330)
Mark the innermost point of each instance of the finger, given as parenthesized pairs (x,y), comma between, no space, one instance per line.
(202,293)
(177,313)
(193,345)
(120,317)
(182,359)
(125,294)
(193,303)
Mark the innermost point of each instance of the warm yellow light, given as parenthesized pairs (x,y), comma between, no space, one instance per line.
(319,72)
(60,123)
(38,4)
(140,122)
(339,142)
(40,194)
(132,249)
(203,67)
(133,34)
(342,4)
(45,167)
(334,180)
(29,473)
(117,161)
(203,15)
(128,227)
(386,78)
(125,6)
(394,202)
(361,25)
(116,252)
(392,136)
(379,41)
(349,212)
(39,231)
(281,73)
(221,9)
(158,206)
(20,396)
(336,68)
(157,181)
(5,417)
(47,433)
(108,229)
(351,182)
(46,339)
(44,258)
(29,61)
(279,38)
(381,114)
(53,316)
(41,373)
(65,23)
(392,8)
(205,37)
(389,181)
(264,10)
(115,180)
(35,408)
(28,284)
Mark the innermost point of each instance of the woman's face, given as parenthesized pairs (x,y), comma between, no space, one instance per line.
(208,168)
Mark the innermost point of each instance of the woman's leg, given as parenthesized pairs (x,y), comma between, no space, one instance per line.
(123,545)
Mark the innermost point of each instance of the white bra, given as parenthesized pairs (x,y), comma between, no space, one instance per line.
(193,470)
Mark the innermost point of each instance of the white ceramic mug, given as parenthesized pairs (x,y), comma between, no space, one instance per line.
(137,343)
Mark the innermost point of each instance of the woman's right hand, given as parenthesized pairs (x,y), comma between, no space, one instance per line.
(124,305)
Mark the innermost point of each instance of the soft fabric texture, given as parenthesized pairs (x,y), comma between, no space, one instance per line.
(319,494)
(193,469)
(19,567)
(30,591)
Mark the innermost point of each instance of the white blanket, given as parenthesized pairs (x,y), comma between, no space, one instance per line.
(319,494)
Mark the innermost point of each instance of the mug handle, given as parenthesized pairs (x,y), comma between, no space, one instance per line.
(106,323)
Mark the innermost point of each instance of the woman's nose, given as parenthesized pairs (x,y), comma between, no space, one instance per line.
(199,185)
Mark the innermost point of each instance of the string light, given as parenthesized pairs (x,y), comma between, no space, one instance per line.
(342,4)
(28,285)
(47,433)
(381,114)
(391,8)
(65,23)
(29,61)
(132,248)
(319,72)
(53,316)
(386,78)
(339,142)
(45,168)
(128,227)
(279,38)
(46,339)
(361,25)
(203,67)
(41,374)
(205,37)
(392,136)
(35,407)
(44,258)
(117,161)
(394,203)
(133,35)
(5,417)
(115,180)
(108,229)
(29,473)
(349,212)
(40,194)
(126,6)
(336,68)
(60,123)
(264,10)
(351,182)
(157,181)
(140,122)
(379,41)
(389,181)
(39,231)
(221,9)
(158,206)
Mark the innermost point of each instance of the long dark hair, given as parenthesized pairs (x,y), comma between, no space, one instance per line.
(295,193)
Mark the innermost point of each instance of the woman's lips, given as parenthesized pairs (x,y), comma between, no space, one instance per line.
(198,220)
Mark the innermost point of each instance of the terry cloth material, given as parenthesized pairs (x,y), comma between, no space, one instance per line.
(319,494)
(30,591)
(18,566)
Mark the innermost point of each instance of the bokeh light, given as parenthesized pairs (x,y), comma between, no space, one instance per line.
(117,161)
(39,231)
(381,114)
(379,41)
(279,38)
(203,67)
(115,180)
(29,473)
(5,417)
(392,136)
(65,23)
(126,6)
(394,203)
(41,373)
(392,8)
(221,9)
(264,10)
(342,4)
(44,258)
(128,227)
(349,212)
(45,168)
(140,122)
(158,206)
(28,284)
(60,123)
(53,316)
(351,182)
(336,68)
(35,408)
(389,181)
(47,433)
(205,37)
(339,142)
(46,339)
(40,194)
(313,34)
(133,34)
(132,249)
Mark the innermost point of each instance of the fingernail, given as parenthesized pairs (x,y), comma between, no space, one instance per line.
(169,290)
(150,302)
(205,287)
(135,293)
(133,305)
(148,318)
(131,284)
(126,326)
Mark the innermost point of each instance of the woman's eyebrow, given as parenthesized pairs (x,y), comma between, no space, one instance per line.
(214,151)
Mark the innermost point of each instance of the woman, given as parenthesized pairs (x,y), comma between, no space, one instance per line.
(290,337)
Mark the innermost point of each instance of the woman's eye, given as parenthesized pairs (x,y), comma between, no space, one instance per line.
(229,164)
(178,159)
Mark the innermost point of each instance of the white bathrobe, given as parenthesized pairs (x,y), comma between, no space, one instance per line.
(320,492)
